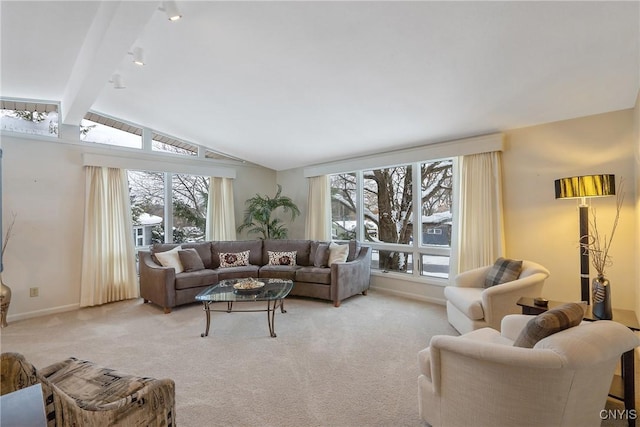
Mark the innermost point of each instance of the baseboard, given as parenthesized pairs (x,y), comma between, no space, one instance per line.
(38,313)
(409,295)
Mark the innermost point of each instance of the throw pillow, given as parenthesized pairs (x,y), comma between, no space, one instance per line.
(190,260)
(550,322)
(282,258)
(338,253)
(503,270)
(322,255)
(237,259)
(171,258)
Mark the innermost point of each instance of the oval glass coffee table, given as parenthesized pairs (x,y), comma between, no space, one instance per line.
(273,292)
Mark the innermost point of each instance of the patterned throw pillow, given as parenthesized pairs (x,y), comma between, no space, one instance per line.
(231,259)
(548,323)
(191,260)
(282,258)
(503,270)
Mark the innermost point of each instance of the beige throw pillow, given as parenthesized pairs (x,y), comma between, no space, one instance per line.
(338,253)
(171,258)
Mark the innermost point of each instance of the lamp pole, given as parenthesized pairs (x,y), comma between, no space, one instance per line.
(584,254)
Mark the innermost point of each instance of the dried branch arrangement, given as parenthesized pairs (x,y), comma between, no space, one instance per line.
(598,245)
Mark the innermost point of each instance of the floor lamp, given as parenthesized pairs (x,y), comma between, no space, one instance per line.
(583,187)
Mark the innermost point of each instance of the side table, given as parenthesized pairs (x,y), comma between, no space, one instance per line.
(623,386)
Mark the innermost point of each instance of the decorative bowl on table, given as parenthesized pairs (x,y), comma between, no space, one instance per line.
(248,286)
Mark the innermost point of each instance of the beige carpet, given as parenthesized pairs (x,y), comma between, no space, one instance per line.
(348,366)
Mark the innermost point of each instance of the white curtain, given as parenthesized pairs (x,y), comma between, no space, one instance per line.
(318,220)
(481,238)
(108,255)
(221,220)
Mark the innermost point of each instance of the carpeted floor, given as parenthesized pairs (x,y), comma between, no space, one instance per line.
(349,366)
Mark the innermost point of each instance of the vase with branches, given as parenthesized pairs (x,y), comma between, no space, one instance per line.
(258,215)
(598,246)
(5,292)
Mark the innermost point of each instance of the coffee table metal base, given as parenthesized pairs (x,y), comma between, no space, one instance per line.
(272,306)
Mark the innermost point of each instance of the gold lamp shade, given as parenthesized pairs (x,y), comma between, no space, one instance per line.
(585,186)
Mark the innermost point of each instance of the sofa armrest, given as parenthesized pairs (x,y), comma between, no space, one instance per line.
(500,300)
(157,283)
(16,373)
(513,324)
(472,278)
(352,277)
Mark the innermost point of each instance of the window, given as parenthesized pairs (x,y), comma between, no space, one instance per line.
(29,117)
(343,206)
(167,144)
(399,234)
(151,212)
(103,130)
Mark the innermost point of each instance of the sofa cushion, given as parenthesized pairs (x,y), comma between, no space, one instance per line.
(301,247)
(314,275)
(338,253)
(321,258)
(282,258)
(502,271)
(286,272)
(550,322)
(233,259)
(171,259)
(195,279)
(253,246)
(467,300)
(242,272)
(190,260)
(313,247)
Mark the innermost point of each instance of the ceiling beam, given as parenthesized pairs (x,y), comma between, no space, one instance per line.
(115,28)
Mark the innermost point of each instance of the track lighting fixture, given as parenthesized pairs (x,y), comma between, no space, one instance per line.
(171,9)
(138,55)
(117,82)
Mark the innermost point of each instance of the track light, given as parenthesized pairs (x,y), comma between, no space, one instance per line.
(171,9)
(117,82)
(138,55)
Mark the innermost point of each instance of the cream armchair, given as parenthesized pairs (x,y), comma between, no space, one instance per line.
(481,379)
(470,306)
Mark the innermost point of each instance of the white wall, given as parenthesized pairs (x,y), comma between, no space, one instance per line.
(537,226)
(546,230)
(636,128)
(43,183)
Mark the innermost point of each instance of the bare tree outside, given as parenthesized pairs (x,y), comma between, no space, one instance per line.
(388,209)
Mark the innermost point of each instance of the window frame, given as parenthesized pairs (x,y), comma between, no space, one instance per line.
(416,248)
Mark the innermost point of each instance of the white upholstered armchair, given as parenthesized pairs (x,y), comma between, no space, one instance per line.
(481,379)
(472,306)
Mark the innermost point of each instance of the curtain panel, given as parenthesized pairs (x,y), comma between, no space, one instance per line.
(317,226)
(221,220)
(481,238)
(108,254)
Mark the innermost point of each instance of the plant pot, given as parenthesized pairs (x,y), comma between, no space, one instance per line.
(601,298)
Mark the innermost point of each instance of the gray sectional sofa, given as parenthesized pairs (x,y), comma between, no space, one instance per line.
(311,275)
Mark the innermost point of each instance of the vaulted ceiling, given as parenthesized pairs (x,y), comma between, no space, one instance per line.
(290,84)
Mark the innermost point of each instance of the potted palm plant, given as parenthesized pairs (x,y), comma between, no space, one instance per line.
(258,215)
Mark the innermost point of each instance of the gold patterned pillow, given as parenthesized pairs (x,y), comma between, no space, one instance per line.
(282,258)
(234,259)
